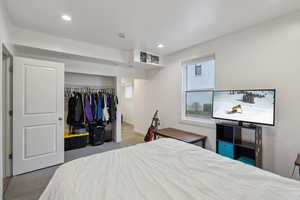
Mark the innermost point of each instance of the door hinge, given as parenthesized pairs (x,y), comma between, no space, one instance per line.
(10,156)
(10,69)
(10,113)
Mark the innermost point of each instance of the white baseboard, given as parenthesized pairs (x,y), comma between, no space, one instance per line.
(143,133)
(128,123)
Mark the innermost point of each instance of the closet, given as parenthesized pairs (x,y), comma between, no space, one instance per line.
(90,105)
(41,94)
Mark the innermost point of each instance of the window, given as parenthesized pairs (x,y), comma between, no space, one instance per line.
(198,70)
(128,92)
(199,83)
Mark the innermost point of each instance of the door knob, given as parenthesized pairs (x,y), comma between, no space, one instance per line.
(60,118)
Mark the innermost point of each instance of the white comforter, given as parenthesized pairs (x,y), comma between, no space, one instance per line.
(165,169)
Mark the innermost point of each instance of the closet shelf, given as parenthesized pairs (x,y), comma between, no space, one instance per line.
(142,65)
(244,144)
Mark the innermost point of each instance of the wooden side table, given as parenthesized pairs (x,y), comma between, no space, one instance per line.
(183,136)
(297,164)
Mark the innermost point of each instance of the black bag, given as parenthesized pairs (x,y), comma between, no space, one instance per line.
(97,132)
(108,133)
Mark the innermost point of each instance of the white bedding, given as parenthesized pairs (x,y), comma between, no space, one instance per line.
(165,169)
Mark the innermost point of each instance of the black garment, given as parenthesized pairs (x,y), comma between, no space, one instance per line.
(94,106)
(71,110)
(116,100)
(113,102)
(79,112)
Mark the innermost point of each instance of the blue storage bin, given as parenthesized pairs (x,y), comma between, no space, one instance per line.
(246,160)
(226,149)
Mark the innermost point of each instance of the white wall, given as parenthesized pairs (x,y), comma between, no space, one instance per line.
(264,56)
(77,65)
(102,69)
(117,124)
(88,80)
(145,102)
(34,39)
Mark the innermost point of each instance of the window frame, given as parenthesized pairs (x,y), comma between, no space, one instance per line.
(125,90)
(206,121)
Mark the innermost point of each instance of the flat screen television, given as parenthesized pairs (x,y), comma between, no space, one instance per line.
(250,106)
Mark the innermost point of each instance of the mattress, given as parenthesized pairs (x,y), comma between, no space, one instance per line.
(165,169)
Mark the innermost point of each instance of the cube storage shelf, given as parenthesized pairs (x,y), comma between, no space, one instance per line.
(230,143)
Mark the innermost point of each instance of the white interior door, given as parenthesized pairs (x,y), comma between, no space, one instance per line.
(38,114)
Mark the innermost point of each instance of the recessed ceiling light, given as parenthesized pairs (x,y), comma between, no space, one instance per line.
(66,18)
(160,46)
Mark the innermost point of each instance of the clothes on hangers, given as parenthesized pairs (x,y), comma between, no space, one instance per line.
(113,107)
(105,115)
(88,109)
(71,110)
(99,110)
(78,109)
(92,106)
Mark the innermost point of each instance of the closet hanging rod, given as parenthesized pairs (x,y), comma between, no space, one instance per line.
(82,89)
(109,90)
(89,89)
(69,91)
(88,86)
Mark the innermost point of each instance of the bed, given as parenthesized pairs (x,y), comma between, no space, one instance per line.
(166,169)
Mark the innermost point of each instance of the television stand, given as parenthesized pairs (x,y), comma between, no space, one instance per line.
(231,142)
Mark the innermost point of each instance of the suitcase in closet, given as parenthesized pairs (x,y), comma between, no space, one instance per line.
(97,132)
(108,135)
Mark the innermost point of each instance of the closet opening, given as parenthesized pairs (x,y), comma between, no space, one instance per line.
(91,104)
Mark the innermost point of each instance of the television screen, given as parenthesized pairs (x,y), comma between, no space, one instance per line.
(252,106)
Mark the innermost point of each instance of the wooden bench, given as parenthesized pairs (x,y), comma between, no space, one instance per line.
(183,136)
